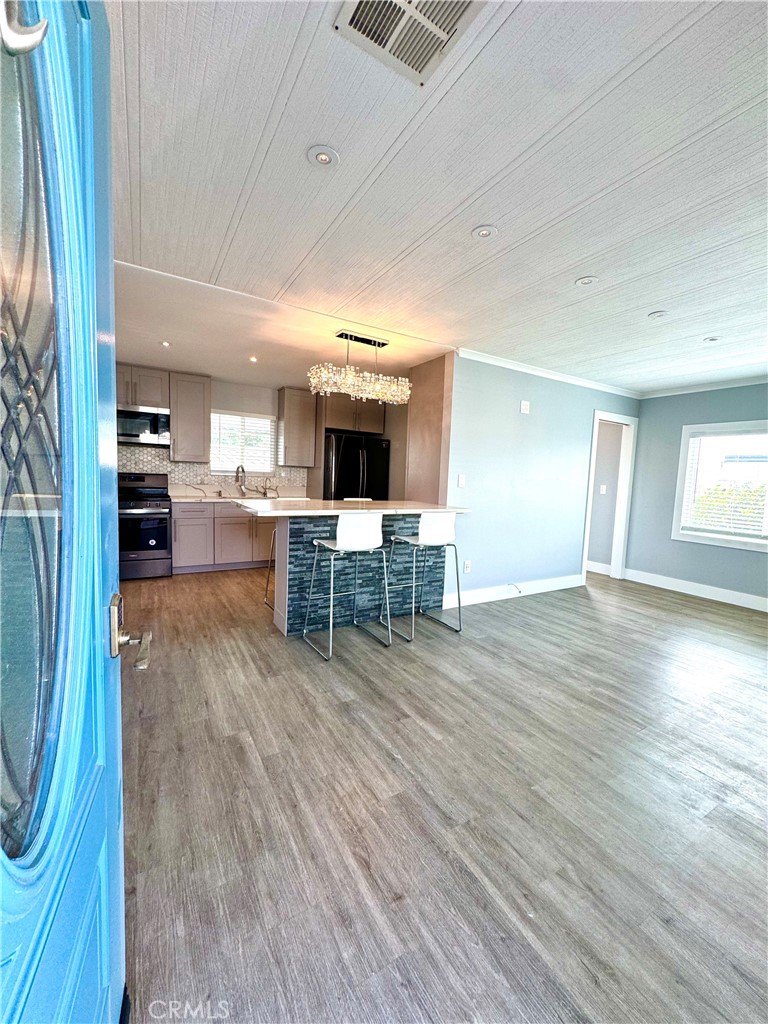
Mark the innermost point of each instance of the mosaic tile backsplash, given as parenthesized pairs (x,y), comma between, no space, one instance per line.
(139,459)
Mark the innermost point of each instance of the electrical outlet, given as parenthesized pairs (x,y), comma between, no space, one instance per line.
(467,566)
(462,481)
(525,408)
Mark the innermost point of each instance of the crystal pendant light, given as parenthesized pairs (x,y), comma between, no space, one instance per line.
(328,379)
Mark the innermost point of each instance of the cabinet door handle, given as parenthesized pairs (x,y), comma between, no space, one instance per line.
(135,393)
(16,38)
(174,531)
(171,452)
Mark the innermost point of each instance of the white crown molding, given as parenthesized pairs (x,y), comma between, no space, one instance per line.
(537,371)
(692,389)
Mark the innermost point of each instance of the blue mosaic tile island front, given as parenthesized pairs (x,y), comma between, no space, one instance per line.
(301,552)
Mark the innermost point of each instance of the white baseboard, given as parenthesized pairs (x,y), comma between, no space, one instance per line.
(753,601)
(601,567)
(482,595)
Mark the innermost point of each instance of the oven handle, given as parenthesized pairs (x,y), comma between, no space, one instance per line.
(153,513)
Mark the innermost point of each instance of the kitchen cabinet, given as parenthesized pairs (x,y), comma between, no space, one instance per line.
(143,386)
(233,539)
(262,539)
(193,540)
(190,417)
(345,413)
(124,384)
(215,534)
(340,413)
(295,427)
(370,417)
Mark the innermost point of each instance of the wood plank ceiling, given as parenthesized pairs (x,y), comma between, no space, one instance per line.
(624,141)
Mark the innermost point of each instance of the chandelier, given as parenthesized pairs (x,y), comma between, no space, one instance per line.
(328,379)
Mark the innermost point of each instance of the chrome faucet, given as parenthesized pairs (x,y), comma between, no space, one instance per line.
(240,479)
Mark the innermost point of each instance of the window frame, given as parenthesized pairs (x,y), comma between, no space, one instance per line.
(691,430)
(247,415)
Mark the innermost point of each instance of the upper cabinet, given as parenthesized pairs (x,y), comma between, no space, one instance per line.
(295,427)
(143,386)
(345,413)
(190,417)
(124,384)
(370,417)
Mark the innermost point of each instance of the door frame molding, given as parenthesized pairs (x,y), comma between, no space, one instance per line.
(623,490)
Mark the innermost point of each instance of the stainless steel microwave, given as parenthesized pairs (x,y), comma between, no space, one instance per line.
(138,424)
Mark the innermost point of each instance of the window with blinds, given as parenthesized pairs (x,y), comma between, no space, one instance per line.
(721,487)
(238,440)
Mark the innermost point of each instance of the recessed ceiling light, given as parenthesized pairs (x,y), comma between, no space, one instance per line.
(658,314)
(485,231)
(323,155)
(165,344)
(253,359)
(712,337)
(584,281)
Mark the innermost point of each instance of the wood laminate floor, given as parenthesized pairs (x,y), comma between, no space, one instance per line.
(557,816)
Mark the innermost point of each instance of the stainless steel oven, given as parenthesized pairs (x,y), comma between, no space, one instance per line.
(144,521)
(140,425)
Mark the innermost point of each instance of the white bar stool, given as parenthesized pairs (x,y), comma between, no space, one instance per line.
(436,530)
(355,533)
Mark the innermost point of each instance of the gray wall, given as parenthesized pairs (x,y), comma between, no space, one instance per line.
(651,548)
(527,476)
(603,515)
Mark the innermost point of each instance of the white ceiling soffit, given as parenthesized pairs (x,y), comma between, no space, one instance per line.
(624,141)
(409,37)
(215,331)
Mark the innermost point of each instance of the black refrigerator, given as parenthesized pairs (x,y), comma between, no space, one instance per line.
(356,466)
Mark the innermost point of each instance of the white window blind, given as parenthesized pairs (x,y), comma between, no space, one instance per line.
(238,440)
(722,485)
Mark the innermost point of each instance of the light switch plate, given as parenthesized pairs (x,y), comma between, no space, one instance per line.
(462,481)
(525,407)
(603,488)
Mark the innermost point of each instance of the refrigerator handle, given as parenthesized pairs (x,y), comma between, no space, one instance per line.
(332,488)
(360,474)
(365,474)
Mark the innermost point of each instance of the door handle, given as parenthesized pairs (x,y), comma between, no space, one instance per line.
(119,638)
(16,38)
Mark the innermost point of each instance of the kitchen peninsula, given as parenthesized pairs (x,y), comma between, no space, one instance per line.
(300,521)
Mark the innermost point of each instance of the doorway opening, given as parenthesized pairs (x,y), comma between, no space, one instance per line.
(611,469)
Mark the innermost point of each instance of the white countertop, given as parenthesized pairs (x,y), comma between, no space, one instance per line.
(312,507)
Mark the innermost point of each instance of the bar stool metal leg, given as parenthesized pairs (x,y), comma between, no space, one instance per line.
(267,602)
(428,615)
(385,602)
(394,629)
(305,632)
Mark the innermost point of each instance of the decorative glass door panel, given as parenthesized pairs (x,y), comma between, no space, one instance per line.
(30,477)
(61,869)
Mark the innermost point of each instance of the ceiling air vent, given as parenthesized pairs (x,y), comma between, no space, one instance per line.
(410,37)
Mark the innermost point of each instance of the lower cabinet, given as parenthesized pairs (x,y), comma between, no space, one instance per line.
(192,541)
(262,538)
(208,535)
(233,539)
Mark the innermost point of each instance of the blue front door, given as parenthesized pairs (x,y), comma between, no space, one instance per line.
(61,865)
